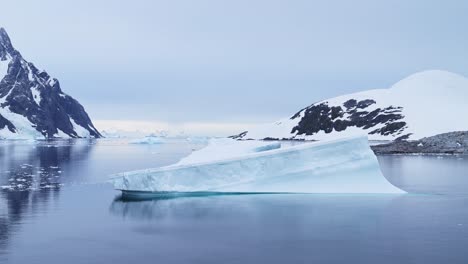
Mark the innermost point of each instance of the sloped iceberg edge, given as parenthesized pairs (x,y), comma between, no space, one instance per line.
(339,166)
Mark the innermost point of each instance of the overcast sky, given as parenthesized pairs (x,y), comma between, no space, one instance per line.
(236,62)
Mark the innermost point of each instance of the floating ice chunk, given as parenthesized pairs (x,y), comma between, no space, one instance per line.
(149,140)
(226,148)
(340,166)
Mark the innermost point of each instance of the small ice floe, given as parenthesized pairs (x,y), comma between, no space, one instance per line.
(420,145)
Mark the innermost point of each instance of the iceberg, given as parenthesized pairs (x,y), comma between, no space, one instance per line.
(338,166)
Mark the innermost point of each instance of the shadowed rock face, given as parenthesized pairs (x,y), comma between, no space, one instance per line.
(33,94)
(353,113)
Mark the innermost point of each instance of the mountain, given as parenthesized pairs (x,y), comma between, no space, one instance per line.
(32,103)
(422,105)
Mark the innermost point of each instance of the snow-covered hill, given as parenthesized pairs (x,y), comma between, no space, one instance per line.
(32,104)
(421,105)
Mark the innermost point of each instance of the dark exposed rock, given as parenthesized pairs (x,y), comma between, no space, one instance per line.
(32,93)
(447,143)
(389,128)
(350,103)
(322,117)
(239,136)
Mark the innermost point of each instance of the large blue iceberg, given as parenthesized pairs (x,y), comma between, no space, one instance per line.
(338,166)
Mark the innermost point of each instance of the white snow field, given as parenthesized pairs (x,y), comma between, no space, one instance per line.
(339,166)
(433,102)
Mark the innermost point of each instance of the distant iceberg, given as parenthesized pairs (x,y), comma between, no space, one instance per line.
(148,140)
(339,166)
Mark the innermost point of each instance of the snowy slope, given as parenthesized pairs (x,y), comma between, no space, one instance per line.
(423,104)
(32,104)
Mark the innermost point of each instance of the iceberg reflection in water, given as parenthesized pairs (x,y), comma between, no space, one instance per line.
(339,166)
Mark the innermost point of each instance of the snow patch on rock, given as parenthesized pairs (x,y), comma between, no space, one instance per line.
(36,94)
(80,131)
(4,67)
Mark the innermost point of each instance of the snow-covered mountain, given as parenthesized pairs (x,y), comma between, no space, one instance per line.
(32,104)
(423,104)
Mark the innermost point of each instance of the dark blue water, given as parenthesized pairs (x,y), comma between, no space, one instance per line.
(58,209)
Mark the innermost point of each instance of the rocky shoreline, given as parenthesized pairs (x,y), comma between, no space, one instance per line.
(447,143)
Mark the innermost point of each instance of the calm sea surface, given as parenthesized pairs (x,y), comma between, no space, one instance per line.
(56,207)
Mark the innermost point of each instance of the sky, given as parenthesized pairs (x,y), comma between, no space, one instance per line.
(215,66)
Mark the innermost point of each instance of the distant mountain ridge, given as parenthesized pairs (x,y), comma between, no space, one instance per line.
(32,103)
(422,105)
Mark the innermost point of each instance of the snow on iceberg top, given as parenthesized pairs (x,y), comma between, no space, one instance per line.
(226,148)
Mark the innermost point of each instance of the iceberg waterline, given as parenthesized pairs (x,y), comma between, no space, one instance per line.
(339,166)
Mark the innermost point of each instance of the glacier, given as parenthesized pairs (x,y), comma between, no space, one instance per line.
(337,166)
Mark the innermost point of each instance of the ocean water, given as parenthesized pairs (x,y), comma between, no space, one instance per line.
(56,207)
